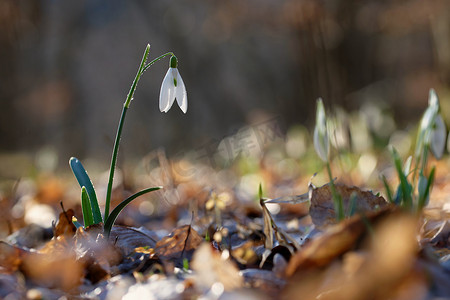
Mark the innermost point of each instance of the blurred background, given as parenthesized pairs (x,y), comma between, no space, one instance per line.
(66,68)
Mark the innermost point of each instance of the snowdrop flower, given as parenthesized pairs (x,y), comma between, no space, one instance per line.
(432,131)
(172,87)
(438,137)
(321,142)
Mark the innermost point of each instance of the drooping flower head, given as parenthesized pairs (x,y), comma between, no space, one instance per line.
(432,131)
(172,88)
(321,142)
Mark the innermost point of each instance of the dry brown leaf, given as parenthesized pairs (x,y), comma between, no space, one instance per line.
(95,253)
(92,247)
(65,225)
(211,268)
(268,229)
(53,270)
(180,244)
(10,257)
(322,205)
(335,241)
(53,266)
(58,244)
(129,238)
(264,281)
(385,270)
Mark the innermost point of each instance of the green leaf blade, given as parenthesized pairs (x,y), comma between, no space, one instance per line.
(424,195)
(109,222)
(404,184)
(86,208)
(388,189)
(84,181)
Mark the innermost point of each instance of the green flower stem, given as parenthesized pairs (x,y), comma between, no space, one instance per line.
(142,68)
(338,206)
(155,60)
(426,149)
(113,162)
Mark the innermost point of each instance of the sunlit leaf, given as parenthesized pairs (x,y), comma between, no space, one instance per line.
(405,186)
(84,180)
(86,208)
(424,187)
(116,211)
(388,189)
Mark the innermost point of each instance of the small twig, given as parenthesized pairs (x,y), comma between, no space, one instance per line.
(65,213)
(186,240)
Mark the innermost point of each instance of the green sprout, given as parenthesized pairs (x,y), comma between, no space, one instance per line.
(322,147)
(431,136)
(169,91)
(185,264)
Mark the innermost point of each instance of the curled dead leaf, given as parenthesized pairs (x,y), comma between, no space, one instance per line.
(54,270)
(385,266)
(181,243)
(129,238)
(265,281)
(334,241)
(322,205)
(65,225)
(96,252)
(58,244)
(10,257)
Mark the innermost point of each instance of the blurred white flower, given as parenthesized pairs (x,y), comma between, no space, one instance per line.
(432,131)
(438,137)
(172,87)
(321,141)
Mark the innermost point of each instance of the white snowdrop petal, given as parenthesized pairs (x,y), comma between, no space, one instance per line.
(320,139)
(171,98)
(181,94)
(321,144)
(438,136)
(433,98)
(167,92)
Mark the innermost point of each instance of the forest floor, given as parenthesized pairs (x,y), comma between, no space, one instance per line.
(208,234)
